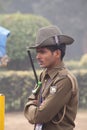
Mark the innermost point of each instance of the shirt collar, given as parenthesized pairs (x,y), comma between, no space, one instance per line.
(52,72)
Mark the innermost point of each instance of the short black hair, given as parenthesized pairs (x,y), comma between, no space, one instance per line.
(61,47)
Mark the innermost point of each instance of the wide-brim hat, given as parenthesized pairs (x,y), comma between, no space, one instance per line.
(51,35)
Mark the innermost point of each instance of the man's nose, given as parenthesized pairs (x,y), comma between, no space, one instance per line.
(37,56)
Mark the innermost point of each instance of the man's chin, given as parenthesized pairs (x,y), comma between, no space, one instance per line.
(42,66)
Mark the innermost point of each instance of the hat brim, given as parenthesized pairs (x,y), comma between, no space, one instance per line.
(63,39)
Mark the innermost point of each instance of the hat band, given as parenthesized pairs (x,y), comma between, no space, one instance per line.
(56,38)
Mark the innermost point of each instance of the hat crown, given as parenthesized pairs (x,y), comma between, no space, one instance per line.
(47,32)
(51,35)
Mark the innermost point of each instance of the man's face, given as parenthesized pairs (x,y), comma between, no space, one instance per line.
(46,58)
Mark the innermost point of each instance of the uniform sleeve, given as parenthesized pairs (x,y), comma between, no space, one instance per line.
(52,104)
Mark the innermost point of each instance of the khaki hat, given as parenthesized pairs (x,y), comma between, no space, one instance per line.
(47,35)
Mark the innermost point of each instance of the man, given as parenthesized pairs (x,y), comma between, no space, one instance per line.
(55,105)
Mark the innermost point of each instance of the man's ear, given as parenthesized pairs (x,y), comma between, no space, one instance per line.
(57,53)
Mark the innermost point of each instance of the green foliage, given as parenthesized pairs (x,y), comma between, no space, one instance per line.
(72,64)
(23,33)
(83,61)
(82,81)
(81,64)
(17,86)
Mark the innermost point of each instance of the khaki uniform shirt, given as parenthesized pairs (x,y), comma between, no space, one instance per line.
(59,93)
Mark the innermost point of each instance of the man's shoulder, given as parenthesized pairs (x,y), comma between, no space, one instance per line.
(67,72)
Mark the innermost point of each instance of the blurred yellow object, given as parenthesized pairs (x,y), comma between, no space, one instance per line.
(2,111)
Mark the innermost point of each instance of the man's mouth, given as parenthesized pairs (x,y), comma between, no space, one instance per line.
(40,62)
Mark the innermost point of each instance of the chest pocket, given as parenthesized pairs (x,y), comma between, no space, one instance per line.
(49,83)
